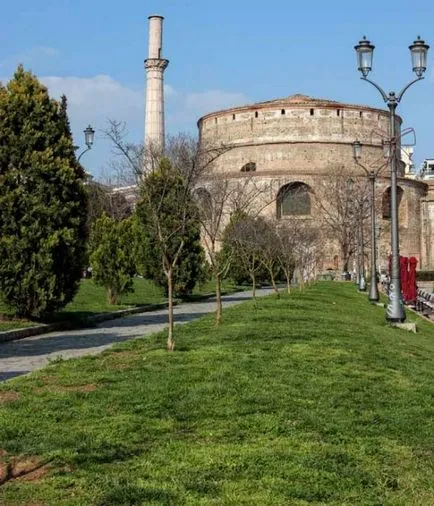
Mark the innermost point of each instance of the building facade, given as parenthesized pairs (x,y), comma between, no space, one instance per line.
(296,142)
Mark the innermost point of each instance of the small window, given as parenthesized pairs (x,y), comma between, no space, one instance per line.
(233,116)
(283,112)
(312,111)
(249,167)
(215,121)
(386,202)
(360,113)
(256,114)
(338,112)
(293,199)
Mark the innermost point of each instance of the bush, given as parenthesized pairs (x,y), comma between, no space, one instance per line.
(112,256)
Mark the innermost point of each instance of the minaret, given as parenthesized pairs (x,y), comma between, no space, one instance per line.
(155,66)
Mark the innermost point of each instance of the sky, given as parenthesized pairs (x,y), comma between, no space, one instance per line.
(221,54)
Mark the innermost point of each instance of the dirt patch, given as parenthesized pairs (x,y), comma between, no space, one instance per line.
(24,468)
(10,396)
(37,474)
(120,360)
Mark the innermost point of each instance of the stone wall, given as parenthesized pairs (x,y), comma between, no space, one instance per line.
(299,139)
(427,227)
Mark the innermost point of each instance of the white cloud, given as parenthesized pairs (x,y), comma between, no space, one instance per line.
(94,100)
(97,98)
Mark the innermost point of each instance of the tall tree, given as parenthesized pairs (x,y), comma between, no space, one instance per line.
(42,200)
(169,218)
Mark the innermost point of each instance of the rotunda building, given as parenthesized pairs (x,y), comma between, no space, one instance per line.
(293,143)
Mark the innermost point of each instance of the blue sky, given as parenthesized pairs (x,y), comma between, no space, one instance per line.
(221,54)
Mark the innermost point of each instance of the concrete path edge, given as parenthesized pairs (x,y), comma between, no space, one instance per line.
(45,328)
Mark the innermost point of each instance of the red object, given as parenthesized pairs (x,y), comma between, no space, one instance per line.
(404,277)
(411,280)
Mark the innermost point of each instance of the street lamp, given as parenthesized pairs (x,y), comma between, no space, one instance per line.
(361,255)
(395,309)
(357,155)
(89,136)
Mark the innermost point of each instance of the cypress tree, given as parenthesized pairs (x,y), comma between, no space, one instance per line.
(42,200)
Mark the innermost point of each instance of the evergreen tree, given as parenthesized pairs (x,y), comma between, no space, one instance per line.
(42,200)
(112,256)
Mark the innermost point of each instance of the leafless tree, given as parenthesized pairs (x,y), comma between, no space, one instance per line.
(300,248)
(269,249)
(308,250)
(342,203)
(243,238)
(287,238)
(218,197)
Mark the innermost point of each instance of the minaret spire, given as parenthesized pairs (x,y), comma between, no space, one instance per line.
(155,66)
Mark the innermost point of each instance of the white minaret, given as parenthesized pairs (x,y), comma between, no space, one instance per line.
(155,66)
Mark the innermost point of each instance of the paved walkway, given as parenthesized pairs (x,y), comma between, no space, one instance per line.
(32,353)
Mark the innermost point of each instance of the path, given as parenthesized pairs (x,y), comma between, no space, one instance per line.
(32,353)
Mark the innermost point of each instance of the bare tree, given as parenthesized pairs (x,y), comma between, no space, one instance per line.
(287,237)
(269,247)
(308,250)
(218,197)
(338,199)
(242,236)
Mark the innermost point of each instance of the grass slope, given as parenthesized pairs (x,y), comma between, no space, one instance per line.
(311,399)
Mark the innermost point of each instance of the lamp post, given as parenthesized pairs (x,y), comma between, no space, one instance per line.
(395,309)
(361,255)
(89,136)
(373,295)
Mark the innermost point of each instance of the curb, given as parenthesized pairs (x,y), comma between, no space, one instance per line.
(37,330)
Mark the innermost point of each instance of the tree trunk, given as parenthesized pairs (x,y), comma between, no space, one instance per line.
(218,296)
(288,282)
(273,282)
(112,296)
(301,285)
(345,258)
(170,340)
(253,285)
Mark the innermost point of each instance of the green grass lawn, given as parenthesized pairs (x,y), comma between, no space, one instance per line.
(307,400)
(14,324)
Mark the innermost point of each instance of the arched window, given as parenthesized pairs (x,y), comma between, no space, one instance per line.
(249,167)
(293,199)
(386,203)
(204,202)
